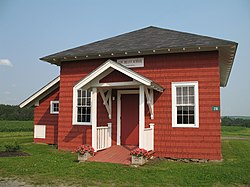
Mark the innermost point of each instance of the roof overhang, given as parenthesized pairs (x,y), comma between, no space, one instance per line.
(40,94)
(110,65)
(226,56)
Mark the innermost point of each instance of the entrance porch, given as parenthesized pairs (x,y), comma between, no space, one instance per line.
(128,131)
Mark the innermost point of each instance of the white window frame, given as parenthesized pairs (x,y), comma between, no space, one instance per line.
(196,104)
(52,107)
(74,117)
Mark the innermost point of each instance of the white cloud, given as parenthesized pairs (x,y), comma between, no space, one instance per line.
(6,62)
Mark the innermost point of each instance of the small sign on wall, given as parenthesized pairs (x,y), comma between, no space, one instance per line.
(132,62)
(215,108)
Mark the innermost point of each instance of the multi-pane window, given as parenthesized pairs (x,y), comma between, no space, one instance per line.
(54,107)
(83,106)
(185,104)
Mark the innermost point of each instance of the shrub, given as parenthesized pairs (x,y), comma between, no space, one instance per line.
(12,146)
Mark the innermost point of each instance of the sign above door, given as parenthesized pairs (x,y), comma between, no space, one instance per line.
(132,62)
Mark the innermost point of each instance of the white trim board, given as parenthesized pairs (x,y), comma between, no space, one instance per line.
(110,64)
(40,94)
(119,93)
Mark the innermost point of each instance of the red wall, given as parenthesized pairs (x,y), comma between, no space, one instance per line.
(42,116)
(202,142)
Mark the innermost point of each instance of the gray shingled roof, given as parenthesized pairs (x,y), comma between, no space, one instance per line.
(151,40)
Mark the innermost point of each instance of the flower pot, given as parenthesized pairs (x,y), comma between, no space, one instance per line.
(138,160)
(84,157)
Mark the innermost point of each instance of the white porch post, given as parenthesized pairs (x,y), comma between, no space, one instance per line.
(141,116)
(94,117)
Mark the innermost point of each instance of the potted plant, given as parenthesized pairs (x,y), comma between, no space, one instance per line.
(139,156)
(84,152)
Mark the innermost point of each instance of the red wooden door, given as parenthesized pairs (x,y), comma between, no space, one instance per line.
(130,119)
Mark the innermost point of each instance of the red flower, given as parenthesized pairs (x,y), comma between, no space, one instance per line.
(81,149)
(139,152)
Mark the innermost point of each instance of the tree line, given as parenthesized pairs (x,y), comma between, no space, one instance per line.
(13,112)
(235,121)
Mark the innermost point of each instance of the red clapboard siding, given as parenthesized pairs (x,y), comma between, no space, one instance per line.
(42,116)
(115,76)
(202,142)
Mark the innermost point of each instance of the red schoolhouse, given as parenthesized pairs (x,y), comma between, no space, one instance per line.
(153,88)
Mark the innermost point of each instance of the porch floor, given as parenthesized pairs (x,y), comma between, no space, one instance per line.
(115,154)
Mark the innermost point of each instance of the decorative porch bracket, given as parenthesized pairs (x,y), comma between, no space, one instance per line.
(107,101)
(150,101)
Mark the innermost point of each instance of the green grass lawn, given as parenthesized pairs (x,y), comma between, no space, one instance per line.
(235,131)
(16,126)
(48,166)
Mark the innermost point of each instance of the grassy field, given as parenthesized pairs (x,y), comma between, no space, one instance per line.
(235,131)
(48,166)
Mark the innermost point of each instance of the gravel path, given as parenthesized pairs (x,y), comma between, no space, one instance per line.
(234,138)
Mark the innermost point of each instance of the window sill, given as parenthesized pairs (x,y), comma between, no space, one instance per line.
(185,126)
(87,124)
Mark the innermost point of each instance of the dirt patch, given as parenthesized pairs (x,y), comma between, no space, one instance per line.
(13,154)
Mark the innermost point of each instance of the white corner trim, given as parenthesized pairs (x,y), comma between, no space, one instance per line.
(196,101)
(141,116)
(36,95)
(93,117)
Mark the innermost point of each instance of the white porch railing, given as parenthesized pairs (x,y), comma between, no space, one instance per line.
(104,138)
(149,138)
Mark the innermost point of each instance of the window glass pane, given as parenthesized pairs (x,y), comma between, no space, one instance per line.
(79,101)
(185,110)
(178,91)
(88,118)
(79,93)
(191,90)
(185,100)
(185,91)
(179,110)
(191,110)
(191,99)
(179,119)
(88,111)
(191,119)
(185,119)
(84,93)
(88,93)
(179,100)
(88,101)
(84,101)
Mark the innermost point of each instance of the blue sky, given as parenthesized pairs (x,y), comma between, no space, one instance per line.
(32,29)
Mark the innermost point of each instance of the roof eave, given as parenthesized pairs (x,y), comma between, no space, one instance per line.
(40,94)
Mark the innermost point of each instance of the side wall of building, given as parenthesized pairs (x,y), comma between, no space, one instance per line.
(42,116)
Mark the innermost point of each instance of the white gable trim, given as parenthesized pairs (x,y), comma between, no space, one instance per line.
(114,65)
(34,99)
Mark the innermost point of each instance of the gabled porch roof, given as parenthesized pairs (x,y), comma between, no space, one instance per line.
(110,65)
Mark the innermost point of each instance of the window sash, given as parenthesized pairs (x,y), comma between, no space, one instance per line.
(83,107)
(54,107)
(185,111)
